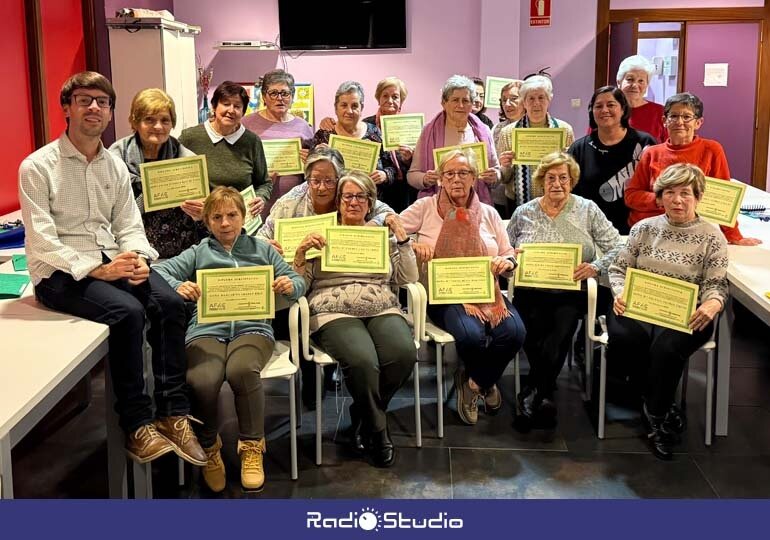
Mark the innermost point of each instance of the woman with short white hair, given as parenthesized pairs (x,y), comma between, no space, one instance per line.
(633,79)
(535,94)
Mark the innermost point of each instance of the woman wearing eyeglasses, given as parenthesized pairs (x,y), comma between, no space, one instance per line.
(454,223)
(275,121)
(551,315)
(684,117)
(357,319)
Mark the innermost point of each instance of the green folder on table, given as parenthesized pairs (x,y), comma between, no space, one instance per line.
(12,285)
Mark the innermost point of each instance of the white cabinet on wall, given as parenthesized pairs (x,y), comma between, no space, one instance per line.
(153,53)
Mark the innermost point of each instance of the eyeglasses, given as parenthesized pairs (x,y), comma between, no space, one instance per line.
(84,100)
(327,182)
(359,197)
(462,174)
(513,100)
(686,118)
(563,180)
(275,94)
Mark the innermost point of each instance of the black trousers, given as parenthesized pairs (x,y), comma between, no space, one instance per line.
(551,318)
(655,356)
(123,308)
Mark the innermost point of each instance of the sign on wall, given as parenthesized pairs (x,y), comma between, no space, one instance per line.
(540,12)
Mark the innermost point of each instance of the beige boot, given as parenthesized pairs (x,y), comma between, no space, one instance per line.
(214,470)
(252,467)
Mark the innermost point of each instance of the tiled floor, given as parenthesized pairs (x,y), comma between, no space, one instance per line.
(66,455)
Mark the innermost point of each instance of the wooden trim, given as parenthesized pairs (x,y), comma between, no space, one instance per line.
(36,62)
(635,37)
(677,15)
(89,35)
(602,42)
(762,131)
(659,35)
(682,58)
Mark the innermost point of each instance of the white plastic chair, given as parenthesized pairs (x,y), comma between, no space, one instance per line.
(312,351)
(603,339)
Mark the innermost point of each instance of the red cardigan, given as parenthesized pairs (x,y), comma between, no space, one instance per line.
(705,153)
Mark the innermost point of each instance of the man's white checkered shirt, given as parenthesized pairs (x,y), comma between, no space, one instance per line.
(74,211)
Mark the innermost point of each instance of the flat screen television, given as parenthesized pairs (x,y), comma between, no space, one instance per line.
(343,24)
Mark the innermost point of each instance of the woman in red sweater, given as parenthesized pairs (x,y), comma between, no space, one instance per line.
(684,116)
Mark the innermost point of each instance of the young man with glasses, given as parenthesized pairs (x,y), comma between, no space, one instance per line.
(88,256)
(683,116)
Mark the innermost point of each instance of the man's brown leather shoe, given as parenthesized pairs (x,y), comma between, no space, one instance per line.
(179,432)
(146,444)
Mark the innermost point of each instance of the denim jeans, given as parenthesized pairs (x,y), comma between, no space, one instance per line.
(123,308)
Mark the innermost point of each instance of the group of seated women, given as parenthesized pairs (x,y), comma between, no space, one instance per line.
(615,180)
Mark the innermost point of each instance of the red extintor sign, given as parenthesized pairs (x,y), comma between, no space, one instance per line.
(540,12)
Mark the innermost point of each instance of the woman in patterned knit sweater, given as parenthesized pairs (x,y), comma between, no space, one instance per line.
(677,244)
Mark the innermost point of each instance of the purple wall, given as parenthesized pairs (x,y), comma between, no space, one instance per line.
(441,42)
(728,111)
(667,4)
(569,47)
(111,6)
(499,55)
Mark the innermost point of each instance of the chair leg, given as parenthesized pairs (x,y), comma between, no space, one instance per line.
(319,377)
(293,425)
(297,398)
(417,417)
(709,395)
(602,391)
(589,358)
(516,381)
(683,385)
(180,471)
(440,389)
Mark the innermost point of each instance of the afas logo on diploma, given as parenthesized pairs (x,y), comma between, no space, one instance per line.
(369,519)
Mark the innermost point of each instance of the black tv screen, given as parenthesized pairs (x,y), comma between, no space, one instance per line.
(343,24)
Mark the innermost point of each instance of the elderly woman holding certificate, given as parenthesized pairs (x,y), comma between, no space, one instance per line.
(679,245)
(535,94)
(275,121)
(454,223)
(357,319)
(453,126)
(576,227)
(152,117)
(232,351)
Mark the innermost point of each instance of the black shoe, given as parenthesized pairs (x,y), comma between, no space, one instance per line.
(545,416)
(661,440)
(382,449)
(676,420)
(357,436)
(528,404)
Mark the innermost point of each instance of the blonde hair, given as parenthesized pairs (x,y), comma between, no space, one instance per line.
(218,198)
(362,181)
(555,159)
(681,174)
(467,153)
(391,81)
(151,101)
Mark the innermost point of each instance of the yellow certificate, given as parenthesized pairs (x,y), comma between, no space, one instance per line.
(549,266)
(357,153)
(531,144)
(721,201)
(282,155)
(170,182)
(251,223)
(493,89)
(236,294)
(289,232)
(462,280)
(363,250)
(401,130)
(479,148)
(659,299)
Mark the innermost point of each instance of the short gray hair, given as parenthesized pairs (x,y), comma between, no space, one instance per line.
(348,87)
(457,82)
(536,82)
(329,155)
(467,153)
(631,63)
(277,76)
(681,174)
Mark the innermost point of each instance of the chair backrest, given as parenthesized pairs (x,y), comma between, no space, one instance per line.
(591,288)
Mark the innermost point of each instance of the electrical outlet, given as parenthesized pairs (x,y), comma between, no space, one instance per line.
(575,102)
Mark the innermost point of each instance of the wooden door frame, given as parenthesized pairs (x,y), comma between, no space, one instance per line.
(605,16)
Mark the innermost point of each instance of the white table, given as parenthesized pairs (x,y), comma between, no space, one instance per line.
(749,277)
(45,354)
